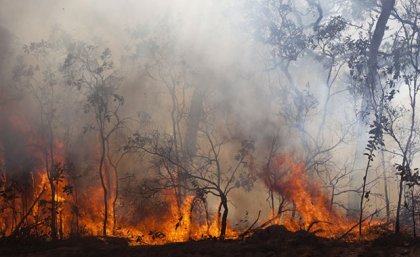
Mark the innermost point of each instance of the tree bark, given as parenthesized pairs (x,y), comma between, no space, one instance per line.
(377,37)
(387,204)
(224,203)
(363,192)
(368,100)
(103,182)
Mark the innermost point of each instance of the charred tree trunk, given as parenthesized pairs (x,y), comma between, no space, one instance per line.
(363,192)
(116,195)
(378,34)
(271,194)
(386,195)
(413,212)
(372,66)
(358,166)
(332,197)
(114,210)
(271,176)
(224,203)
(368,95)
(52,177)
(53,212)
(60,231)
(75,211)
(406,162)
(219,213)
(102,174)
(400,190)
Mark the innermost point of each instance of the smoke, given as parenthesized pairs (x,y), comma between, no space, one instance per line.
(206,45)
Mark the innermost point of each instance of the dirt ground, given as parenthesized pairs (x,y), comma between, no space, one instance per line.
(270,242)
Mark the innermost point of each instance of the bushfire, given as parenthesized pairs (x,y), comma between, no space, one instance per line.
(26,210)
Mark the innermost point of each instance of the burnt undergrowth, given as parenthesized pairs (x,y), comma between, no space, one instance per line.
(273,241)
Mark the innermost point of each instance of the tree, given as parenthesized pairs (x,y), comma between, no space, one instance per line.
(161,62)
(403,127)
(305,109)
(205,173)
(39,74)
(91,70)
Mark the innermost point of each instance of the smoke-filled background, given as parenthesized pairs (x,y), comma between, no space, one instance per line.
(129,105)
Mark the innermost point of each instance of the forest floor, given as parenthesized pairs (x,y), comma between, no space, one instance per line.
(271,242)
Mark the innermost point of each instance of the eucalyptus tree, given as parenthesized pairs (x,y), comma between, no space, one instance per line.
(403,126)
(297,33)
(38,72)
(211,171)
(91,70)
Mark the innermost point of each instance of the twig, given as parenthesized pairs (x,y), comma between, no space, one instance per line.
(272,219)
(358,223)
(248,230)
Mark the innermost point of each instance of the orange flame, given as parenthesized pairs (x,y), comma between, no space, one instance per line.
(173,223)
(315,213)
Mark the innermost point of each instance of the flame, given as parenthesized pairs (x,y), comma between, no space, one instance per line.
(175,225)
(83,214)
(311,203)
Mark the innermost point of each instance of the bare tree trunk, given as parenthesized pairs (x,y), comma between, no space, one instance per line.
(224,203)
(378,34)
(272,202)
(363,193)
(49,163)
(103,182)
(332,197)
(400,189)
(60,231)
(406,162)
(14,214)
(114,201)
(219,214)
(53,212)
(271,175)
(358,166)
(413,212)
(387,204)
